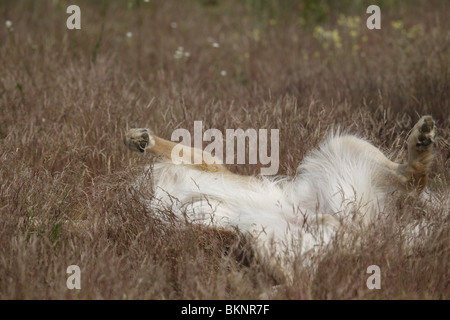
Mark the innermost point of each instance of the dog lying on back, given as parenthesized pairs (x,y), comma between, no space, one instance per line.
(344,177)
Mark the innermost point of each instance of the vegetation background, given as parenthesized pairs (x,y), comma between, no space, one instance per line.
(303,67)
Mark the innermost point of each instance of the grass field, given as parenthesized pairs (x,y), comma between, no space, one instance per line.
(303,67)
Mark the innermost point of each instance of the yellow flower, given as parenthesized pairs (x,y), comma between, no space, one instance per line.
(336,37)
(415,31)
(356,47)
(364,39)
(256,35)
(353,33)
(397,24)
(272,22)
(318,32)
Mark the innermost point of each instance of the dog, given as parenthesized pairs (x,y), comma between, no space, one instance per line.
(344,178)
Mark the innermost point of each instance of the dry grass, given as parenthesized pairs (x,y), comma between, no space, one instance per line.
(66,98)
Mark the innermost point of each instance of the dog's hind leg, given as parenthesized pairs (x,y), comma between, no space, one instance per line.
(143,140)
(421,146)
(413,175)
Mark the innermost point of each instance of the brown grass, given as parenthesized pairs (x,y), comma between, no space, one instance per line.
(66,98)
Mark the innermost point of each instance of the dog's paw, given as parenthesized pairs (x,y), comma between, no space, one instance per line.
(426,131)
(139,139)
(423,134)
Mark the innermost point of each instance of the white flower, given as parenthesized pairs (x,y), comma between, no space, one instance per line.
(179,53)
(147,1)
(174,25)
(215,45)
(129,34)
(223,73)
(8,24)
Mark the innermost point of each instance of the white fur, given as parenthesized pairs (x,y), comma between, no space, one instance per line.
(331,184)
